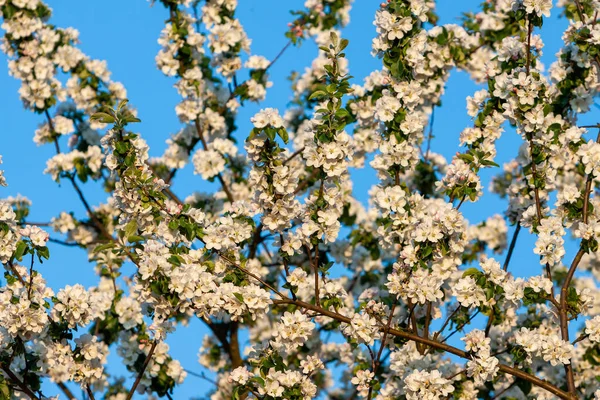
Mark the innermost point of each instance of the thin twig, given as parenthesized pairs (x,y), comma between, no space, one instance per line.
(66,391)
(205,147)
(89,392)
(141,373)
(30,277)
(19,383)
(294,154)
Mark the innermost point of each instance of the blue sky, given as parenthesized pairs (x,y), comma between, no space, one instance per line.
(125,32)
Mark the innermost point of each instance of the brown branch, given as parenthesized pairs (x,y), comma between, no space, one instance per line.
(234,346)
(461,202)
(538,206)
(11,266)
(304,184)
(435,336)
(511,247)
(316,269)
(377,362)
(273,61)
(89,392)
(19,383)
(244,270)
(588,188)
(581,337)
(256,239)
(294,154)
(437,345)
(501,392)
(66,391)
(286,267)
(564,291)
(51,126)
(536,192)
(141,373)
(459,327)
(30,286)
(312,263)
(427,321)
(63,243)
(580,11)
(563,316)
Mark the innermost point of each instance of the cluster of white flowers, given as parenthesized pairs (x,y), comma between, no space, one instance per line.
(274,184)
(428,385)
(77,307)
(362,380)
(60,125)
(538,7)
(293,330)
(592,329)
(38,50)
(21,307)
(363,329)
(83,364)
(225,35)
(550,242)
(590,157)
(432,236)
(72,163)
(278,382)
(211,162)
(332,157)
(545,344)
(10,235)
(195,289)
(483,367)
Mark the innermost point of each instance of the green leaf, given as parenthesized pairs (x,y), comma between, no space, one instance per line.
(131,228)
(175,260)
(489,163)
(103,117)
(43,252)
(103,247)
(135,239)
(524,385)
(283,135)
(4,390)
(334,38)
(316,94)
(239,297)
(343,44)
(173,224)
(122,104)
(342,113)
(236,393)
(21,249)
(471,272)
(130,118)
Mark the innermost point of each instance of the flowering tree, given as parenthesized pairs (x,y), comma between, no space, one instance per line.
(282,253)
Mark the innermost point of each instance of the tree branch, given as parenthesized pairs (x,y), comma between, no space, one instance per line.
(141,373)
(437,345)
(19,383)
